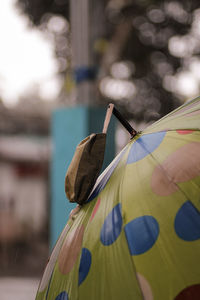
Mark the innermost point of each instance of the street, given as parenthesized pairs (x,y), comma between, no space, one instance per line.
(18,288)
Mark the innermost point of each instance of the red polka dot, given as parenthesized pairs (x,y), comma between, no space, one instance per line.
(189,293)
(95,209)
(184,131)
(161,184)
(181,166)
(70,250)
(145,287)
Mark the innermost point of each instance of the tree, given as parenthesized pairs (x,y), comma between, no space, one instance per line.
(36,9)
(146,54)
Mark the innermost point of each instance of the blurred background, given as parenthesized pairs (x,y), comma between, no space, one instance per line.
(56,55)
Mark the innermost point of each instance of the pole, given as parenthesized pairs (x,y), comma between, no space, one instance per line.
(87,26)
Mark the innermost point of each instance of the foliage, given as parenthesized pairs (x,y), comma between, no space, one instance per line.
(157,40)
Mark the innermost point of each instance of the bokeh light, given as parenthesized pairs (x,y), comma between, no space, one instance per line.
(117,89)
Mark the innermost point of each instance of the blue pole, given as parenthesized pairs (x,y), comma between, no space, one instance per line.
(69,127)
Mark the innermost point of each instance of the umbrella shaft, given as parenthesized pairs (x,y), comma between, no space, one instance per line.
(128,127)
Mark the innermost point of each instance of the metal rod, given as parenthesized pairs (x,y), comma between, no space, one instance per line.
(124,122)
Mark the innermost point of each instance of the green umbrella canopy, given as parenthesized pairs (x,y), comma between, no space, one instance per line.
(137,235)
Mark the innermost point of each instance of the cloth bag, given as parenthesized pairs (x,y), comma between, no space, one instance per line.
(86,164)
(85,167)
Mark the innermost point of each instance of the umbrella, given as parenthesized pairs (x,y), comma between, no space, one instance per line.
(137,235)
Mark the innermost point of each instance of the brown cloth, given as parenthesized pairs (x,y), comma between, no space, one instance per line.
(85,167)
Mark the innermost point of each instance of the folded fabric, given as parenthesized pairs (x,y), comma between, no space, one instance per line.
(85,167)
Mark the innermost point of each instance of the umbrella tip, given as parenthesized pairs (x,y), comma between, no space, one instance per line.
(134,133)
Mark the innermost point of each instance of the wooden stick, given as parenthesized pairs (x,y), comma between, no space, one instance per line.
(108,117)
(112,110)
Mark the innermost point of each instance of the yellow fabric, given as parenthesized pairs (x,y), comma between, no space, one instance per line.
(137,237)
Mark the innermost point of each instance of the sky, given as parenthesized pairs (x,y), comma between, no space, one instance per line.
(26,58)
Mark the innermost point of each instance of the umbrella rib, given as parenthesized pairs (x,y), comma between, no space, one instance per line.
(147,131)
(179,109)
(133,264)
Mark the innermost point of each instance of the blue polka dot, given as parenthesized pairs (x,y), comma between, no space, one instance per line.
(187,222)
(141,234)
(145,145)
(62,296)
(100,186)
(85,263)
(112,226)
